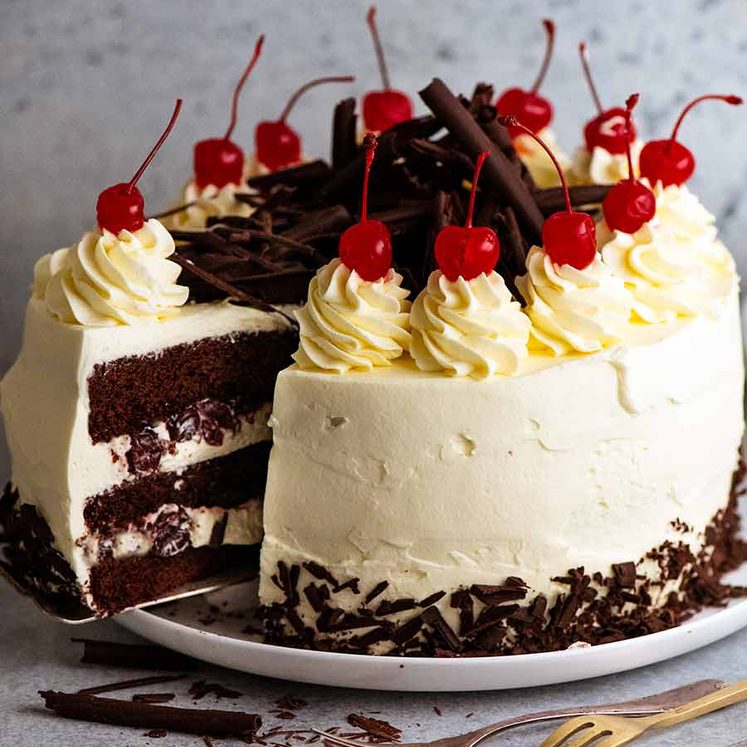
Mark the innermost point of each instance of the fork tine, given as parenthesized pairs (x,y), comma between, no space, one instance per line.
(615,740)
(590,737)
(334,739)
(567,730)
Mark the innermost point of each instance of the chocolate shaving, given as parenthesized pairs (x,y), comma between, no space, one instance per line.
(498,171)
(129,684)
(201,688)
(553,199)
(144,715)
(133,656)
(344,144)
(153,697)
(375,727)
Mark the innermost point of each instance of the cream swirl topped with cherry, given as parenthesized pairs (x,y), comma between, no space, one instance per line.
(209,202)
(106,280)
(673,265)
(468,327)
(574,310)
(351,323)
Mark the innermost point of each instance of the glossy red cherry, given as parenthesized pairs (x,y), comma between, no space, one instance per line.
(467,251)
(629,204)
(609,129)
(668,161)
(277,144)
(531,109)
(386,108)
(366,246)
(219,161)
(120,208)
(569,238)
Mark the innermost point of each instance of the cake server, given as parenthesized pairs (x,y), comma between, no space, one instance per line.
(648,706)
(77,613)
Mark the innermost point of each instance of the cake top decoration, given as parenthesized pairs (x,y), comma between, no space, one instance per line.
(669,161)
(467,251)
(531,109)
(610,129)
(121,207)
(366,246)
(569,237)
(630,203)
(385,108)
(278,144)
(220,161)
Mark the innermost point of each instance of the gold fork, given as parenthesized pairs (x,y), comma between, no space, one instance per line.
(613,731)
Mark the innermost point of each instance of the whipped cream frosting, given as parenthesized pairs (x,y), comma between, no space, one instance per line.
(674,265)
(602,167)
(351,323)
(105,280)
(209,202)
(535,158)
(574,310)
(468,327)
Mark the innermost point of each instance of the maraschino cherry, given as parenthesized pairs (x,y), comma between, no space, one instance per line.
(609,129)
(467,251)
(388,107)
(669,161)
(120,208)
(278,145)
(366,246)
(219,161)
(569,238)
(629,204)
(531,109)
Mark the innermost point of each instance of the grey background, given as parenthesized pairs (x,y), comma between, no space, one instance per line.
(85,86)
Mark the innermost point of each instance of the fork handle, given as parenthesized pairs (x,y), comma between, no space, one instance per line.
(727,696)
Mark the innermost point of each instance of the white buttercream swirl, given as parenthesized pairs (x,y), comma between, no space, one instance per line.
(468,327)
(535,158)
(351,323)
(106,280)
(674,265)
(602,167)
(573,310)
(209,202)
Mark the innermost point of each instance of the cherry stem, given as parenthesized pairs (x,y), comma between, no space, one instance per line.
(473,192)
(312,84)
(512,121)
(729,99)
(380,59)
(144,165)
(587,74)
(630,104)
(550,31)
(240,85)
(369,143)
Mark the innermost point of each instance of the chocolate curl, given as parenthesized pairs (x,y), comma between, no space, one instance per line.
(498,172)
(553,200)
(145,716)
(344,145)
(305,173)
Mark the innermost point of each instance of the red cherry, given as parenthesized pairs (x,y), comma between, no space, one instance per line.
(609,129)
(629,204)
(219,161)
(366,246)
(467,251)
(120,208)
(277,144)
(388,107)
(569,238)
(668,161)
(531,109)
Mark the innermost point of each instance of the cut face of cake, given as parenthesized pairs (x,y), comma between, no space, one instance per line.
(139,450)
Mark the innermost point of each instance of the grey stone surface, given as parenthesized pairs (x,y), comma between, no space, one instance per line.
(36,653)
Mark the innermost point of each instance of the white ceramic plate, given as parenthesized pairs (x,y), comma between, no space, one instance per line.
(193,628)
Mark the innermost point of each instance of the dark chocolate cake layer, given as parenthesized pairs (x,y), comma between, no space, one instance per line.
(225,482)
(130,393)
